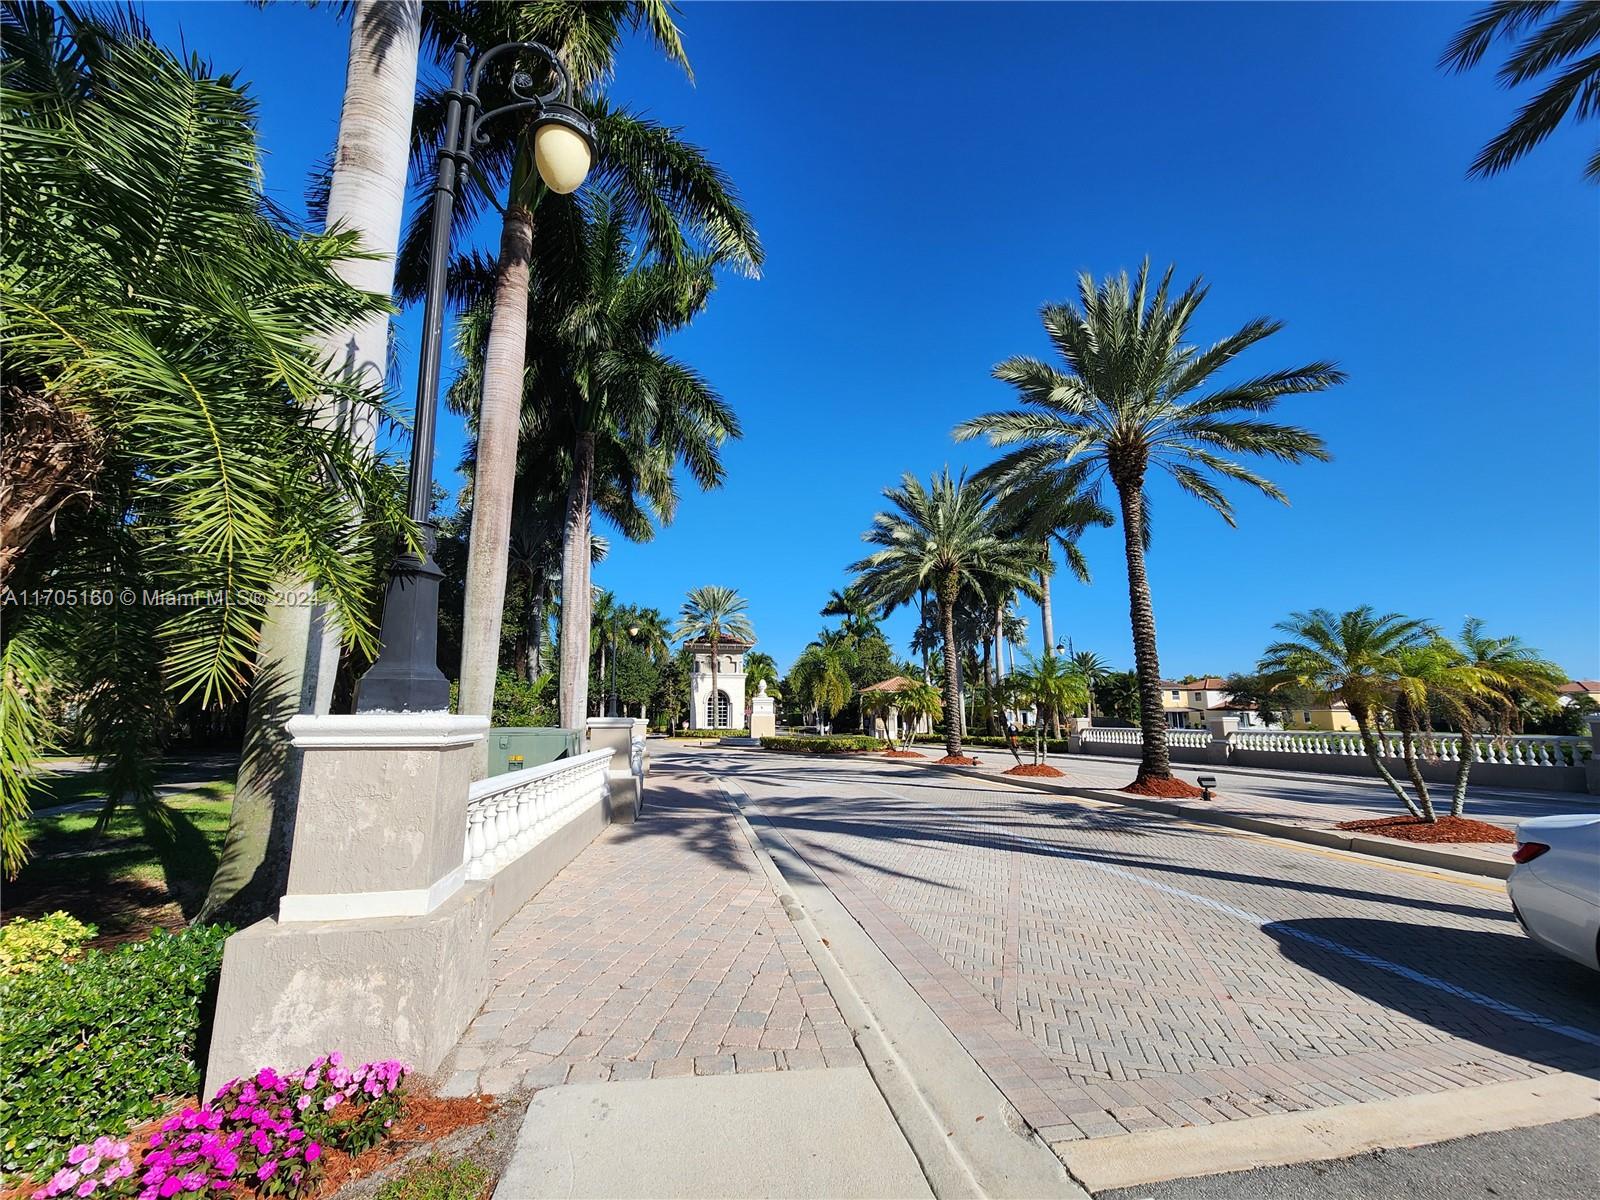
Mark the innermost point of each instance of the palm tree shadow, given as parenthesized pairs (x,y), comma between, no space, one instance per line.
(1495,988)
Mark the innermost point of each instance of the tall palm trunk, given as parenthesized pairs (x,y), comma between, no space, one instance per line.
(297,655)
(577,597)
(1154,763)
(952,680)
(711,701)
(1047,621)
(1370,745)
(536,634)
(988,687)
(495,475)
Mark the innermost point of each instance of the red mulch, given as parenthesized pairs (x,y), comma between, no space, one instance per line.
(1038,770)
(1165,789)
(1445,829)
(903,754)
(424,1119)
(956,760)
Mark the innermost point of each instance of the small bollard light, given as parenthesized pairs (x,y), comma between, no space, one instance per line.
(1206,782)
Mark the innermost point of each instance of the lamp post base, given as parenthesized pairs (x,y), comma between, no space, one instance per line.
(406,676)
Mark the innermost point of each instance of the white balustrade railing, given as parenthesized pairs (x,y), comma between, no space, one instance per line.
(1522,750)
(1196,738)
(512,813)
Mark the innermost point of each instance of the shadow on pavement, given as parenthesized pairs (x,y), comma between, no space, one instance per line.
(1427,972)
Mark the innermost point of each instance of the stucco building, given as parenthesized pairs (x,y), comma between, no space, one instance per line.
(725,709)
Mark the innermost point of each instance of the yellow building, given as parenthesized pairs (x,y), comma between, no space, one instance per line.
(1324,718)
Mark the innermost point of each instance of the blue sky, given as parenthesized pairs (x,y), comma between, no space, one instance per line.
(925,176)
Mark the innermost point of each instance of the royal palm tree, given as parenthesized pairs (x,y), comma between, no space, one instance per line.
(1134,395)
(162,329)
(1092,669)
(710,614)
(660,184)
(939,536)
(1352,657)
(853,607)
(1554,40)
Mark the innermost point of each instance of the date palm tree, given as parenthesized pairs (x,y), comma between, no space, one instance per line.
(1135,394)
(939,536)
(1051,687)
(710,614)
(1554,41)
(1092,669)
(1354,657)
(660,184)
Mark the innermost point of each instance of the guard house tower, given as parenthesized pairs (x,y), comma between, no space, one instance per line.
(725,710)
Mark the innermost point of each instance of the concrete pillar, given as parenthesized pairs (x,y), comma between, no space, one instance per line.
(378,949)
(1074,730)
(763,713)
(1591,769)
(1221,747)
(625,735)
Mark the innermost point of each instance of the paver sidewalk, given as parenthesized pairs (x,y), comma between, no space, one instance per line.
(661,951)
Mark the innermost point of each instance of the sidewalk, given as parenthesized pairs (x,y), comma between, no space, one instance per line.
(677,1036)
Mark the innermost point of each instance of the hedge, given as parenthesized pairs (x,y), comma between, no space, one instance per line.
(1024,742)
(835,743)
(93,1044)
(711,733)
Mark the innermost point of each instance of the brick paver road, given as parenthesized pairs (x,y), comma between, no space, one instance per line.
(1115,971)
(660,951)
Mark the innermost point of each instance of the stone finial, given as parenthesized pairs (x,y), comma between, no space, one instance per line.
(761,688)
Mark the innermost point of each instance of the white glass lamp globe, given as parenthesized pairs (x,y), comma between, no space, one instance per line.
(562,157)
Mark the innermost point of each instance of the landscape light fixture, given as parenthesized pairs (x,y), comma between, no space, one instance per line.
(1206,782)
(406,676)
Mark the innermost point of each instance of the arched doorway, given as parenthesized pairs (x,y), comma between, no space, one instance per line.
(719,714)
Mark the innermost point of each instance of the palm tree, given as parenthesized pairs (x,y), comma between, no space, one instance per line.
(1092,669)
(1135,395)
(1506,673)
(1353,657)
(298,652)
(1561,42)
(917,701)
(710,614)
(1051,687)
(176,380)
(938,536)
(821,677)
(760,668)
(659,184)
(853,607)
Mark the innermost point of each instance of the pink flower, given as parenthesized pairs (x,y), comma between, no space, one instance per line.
(267,1169)
(87,1187)
(77,1154)
(329,1104)
(303,1103)
(313,1152)
(91,1164)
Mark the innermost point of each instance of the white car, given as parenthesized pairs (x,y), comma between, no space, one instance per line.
(1555,884)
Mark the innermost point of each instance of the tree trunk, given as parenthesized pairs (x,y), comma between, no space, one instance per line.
(536,638)
(1154,762)
(952,680)
(577,597)
(1469,751)
(1408,744)
(494,479)
(711,701)
(988,688)
(1370,745)
(297,656)
(1047,621)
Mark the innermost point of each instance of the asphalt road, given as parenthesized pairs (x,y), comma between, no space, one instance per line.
(1547,1162)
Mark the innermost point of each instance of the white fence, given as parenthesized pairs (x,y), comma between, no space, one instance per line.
(512,813)
(1522,750)
(1196,738)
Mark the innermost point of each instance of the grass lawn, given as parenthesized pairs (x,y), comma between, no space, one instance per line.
(141,871)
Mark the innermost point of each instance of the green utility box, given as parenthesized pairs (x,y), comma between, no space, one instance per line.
(513,749)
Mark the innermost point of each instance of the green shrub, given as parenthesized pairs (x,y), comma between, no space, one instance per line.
(835,743)
(436,1180)
(711,733)
(26,945)
(92,1044)
(1024,742)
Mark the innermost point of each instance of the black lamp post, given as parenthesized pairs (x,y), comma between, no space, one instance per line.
(406,675)
(613,704)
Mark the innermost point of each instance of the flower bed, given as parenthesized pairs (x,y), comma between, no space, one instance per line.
(269,1135)
(1035,771)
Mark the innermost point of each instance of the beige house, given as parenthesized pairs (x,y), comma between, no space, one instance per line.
(1323,718)
(1573,688)
(1187,705)
(887,724)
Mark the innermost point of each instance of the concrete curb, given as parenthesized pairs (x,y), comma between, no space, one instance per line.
(1355,843)
(938,1095)
(1279,1140)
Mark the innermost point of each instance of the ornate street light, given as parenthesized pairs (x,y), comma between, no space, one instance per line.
(406,675)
